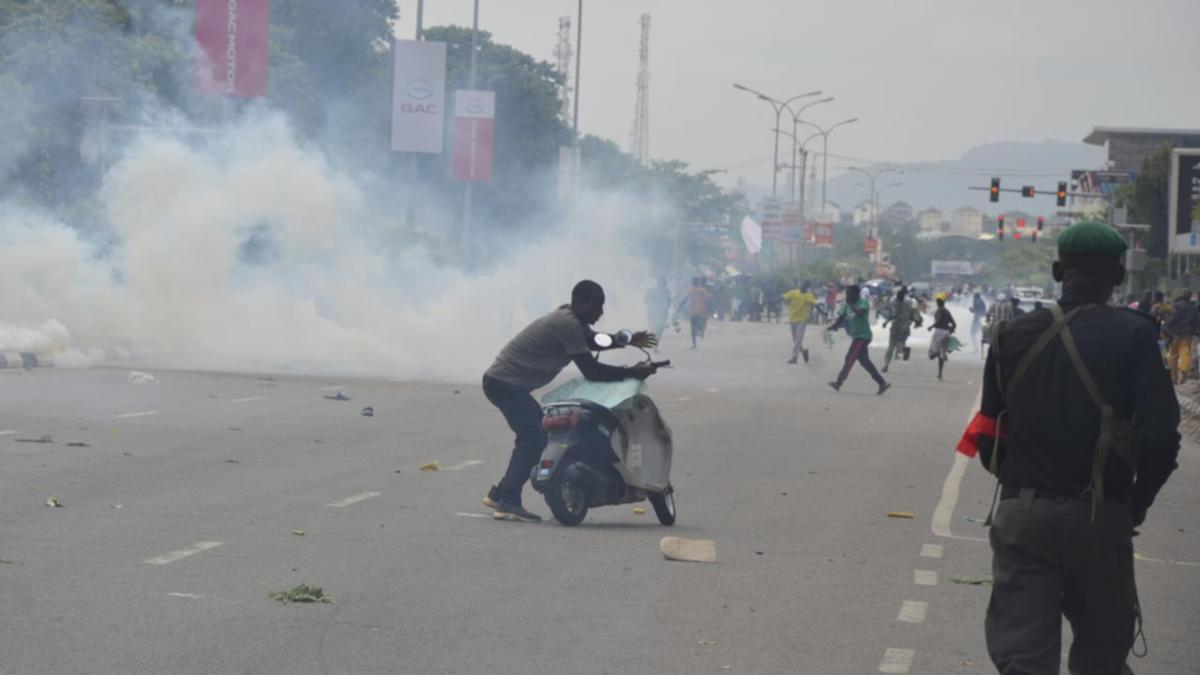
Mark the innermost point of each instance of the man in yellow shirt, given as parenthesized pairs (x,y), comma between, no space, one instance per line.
(800,306)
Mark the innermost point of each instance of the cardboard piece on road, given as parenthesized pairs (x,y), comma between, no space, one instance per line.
(899,514)
(688,550)
(435,465)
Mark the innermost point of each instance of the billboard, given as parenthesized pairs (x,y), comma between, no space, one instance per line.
(474,131)
(418,96)
(1184,189)
(951,267)
(233,47)
(823,234)
(1100,182)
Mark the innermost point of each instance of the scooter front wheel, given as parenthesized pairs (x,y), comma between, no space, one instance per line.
(664,507)
(567,500)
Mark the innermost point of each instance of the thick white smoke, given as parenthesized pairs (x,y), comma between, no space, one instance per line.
(249,251)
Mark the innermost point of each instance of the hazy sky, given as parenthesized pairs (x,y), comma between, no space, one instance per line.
(927,78)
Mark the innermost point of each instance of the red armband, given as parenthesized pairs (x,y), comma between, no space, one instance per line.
(972,439)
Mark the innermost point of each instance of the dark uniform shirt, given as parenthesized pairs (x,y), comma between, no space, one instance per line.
(1051,425)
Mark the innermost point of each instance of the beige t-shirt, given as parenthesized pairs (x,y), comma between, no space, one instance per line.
(539,353)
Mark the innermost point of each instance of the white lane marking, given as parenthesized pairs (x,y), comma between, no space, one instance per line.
(472,515)
(682,399)
(712,390)
(464,465)
(943,514)
(925,577)
(7,432)
(896,660)
(143,413)
(192,596)
(198,547)
(353,500)
(1184,563)
(931,550)
(912,611)
(246,398)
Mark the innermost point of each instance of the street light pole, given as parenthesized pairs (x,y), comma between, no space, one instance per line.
(777,106)
(795,122)
(578,62)
(467,233)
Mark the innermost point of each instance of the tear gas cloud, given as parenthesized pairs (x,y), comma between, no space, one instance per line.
(251,249)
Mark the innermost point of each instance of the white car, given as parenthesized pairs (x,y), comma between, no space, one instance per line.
(1029,293)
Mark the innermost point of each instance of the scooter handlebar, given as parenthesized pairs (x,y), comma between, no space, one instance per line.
(661,364)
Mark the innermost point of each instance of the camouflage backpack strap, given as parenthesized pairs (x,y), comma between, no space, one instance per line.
(1107,419)
(1060,324)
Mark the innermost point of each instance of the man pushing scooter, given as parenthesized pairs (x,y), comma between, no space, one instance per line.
(530,361)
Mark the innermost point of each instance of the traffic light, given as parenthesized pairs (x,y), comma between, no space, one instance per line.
(1062,193)
(1028,191)
(1000,226)
(1041,222)
(995,193)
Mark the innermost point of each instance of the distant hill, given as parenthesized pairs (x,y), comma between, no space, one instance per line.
(943,184)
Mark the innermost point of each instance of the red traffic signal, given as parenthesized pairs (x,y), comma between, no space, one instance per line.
(1000,227)
(1020,222)
(1041,222)
(1028,191)
(995,192)
(1062,193)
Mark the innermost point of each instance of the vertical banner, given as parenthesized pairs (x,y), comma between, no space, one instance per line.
(418,96)
(823,234)
(474,131)
(232,36)
(1184,195)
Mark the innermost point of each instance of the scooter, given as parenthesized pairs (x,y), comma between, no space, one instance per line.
(606,445)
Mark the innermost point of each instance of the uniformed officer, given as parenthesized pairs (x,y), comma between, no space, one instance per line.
(1078,421)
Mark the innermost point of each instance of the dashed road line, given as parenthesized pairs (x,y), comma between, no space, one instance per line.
(925,577)
(683,399)
(912,611)
(896,660)
(144,413)
(198,547)
(931,550)
(712,390)
(245,399)
(464,465)
(353,499)
(943,514)
(190,596)
(472,515)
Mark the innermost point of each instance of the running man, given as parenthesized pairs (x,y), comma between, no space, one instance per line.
(698,298)
(800,306)
(904,317)
(943,327)
(978,311)
(856,315)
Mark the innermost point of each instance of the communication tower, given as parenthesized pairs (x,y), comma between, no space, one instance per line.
(641,115)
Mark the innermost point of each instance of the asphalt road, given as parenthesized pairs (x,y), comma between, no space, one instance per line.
(180,515)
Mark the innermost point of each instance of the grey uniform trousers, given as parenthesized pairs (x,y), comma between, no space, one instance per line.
(1048,560)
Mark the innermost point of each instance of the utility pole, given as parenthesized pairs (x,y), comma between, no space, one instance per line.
(467,233)
(562,58)
(641,114)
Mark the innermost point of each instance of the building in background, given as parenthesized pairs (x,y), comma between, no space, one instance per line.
(967,222)
(898,214)
(930,220)
(865,213)
(1126,147)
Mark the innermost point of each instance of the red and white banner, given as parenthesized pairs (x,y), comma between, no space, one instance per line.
(823,234)
(474,133)
(418,96)
(233,40)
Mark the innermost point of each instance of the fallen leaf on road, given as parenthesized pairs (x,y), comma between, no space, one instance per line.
(431,466)
(900,514)
(299,533)
(43,439)
(638,510)
(972,581)
(688,550)
(54,501)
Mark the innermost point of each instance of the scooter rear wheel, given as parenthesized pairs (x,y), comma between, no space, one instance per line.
(567,500)
(664,507)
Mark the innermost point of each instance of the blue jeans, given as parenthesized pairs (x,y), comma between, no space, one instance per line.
(524,417)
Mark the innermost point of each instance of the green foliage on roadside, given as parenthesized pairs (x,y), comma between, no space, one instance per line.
(1149,203)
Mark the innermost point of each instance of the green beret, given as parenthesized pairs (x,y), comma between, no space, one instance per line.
(1091,238)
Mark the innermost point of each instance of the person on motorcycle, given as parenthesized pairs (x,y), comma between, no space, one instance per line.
(530,361)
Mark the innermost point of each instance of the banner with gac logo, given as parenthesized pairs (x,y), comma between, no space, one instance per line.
(232,36)
(418,96)
(474,131)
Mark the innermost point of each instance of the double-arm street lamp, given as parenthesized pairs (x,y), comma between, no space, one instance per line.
(778,106)
(803,166)
(825,152)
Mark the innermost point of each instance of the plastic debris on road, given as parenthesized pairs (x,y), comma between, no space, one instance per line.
(55,502)
(340,396)
(900,514)
(368,412)
(299,533)
(431,466)
(138,377)
(638,510)
(43,439)
(78,444)
(706,643)
(300,593)
(688,550)
(972,581)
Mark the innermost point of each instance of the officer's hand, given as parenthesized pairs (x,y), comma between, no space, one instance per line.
(644,339)
(642,370)
(1139,516)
